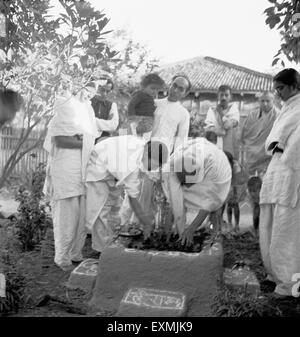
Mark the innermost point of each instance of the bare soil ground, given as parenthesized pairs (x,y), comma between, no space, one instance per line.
(243,249)
(43,284)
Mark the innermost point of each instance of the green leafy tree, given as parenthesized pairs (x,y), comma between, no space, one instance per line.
(26,24)
(285,17)
(51,62)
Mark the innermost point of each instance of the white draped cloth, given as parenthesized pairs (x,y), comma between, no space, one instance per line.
(115,161)
(211,182)
(71,117)
(279,200)
(65,174)
(215,121)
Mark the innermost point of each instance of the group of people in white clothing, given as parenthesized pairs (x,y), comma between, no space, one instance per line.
(86,164)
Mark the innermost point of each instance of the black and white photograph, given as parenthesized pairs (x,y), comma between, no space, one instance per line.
(149,162)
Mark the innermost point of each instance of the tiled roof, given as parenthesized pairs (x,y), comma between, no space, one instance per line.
(208,73)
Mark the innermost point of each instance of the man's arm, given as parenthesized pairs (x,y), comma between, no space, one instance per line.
(132,186)
(211,124)
(187,237)
(230,123)
(182,131)
(68,142)
(146,218)
(110,124)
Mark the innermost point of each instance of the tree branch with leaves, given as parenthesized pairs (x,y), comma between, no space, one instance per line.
(41,61)
(285,17)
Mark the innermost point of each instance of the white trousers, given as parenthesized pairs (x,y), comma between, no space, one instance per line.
(98,208)
(69,229)
(279,232)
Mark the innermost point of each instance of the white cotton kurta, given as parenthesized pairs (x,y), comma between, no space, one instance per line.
(115,161)
(171,123)
(279,201)
(65,171)
(211,182)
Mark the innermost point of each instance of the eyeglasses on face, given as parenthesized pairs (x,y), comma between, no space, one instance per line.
(279,88)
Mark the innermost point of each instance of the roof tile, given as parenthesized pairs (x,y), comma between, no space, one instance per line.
(208,73)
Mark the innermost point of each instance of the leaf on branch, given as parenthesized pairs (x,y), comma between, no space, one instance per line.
(107,32)
(273,21)
(102,23)
(84,60)
(270,11)
(275,61)
(285,22)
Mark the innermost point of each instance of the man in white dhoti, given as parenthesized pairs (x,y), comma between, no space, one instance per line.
(279,197)
(119,161)
(223,120)
(199,183)
(70,139)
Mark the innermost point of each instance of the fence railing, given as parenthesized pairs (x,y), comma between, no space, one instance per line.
(29,162)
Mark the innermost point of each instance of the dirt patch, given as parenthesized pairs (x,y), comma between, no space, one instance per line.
(41,282)
(242,250)
(163,242)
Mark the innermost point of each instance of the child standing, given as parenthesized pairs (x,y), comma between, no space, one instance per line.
(142,106)
(237,192)
(254,187)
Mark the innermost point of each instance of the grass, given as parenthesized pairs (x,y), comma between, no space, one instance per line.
(15,279)
(244,248)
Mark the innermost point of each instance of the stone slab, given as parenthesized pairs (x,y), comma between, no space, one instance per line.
(144,302)
(84,276)
(194,274)
(242,279)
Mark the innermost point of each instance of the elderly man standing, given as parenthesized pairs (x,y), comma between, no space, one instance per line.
(223,120)
(198,184)
(255,131)
(171,125)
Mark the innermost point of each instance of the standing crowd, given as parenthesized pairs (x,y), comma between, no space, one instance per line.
(202,176)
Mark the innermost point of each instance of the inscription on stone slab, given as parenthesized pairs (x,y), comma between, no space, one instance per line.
(88,267)
(154,298)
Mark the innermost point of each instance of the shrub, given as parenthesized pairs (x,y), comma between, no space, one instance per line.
(32,219)
(15,281)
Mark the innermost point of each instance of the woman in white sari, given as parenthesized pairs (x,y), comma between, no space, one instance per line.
(70,139)
(279,197)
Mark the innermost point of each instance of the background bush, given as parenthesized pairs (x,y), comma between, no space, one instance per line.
(33,218)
